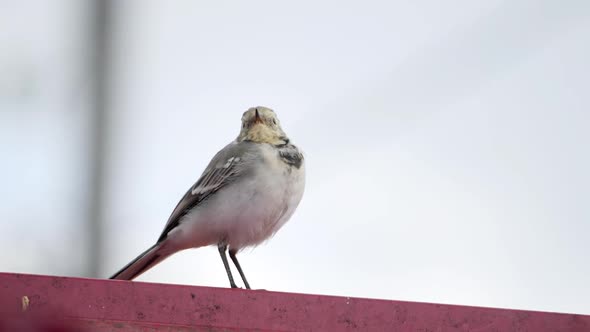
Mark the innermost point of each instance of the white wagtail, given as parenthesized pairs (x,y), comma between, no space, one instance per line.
(246,194)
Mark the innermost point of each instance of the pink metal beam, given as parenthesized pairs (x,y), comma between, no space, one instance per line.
(107,305)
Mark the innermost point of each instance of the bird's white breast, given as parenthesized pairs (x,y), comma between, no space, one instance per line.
(249,211)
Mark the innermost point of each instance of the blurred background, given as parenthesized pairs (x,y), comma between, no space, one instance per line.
(446,142)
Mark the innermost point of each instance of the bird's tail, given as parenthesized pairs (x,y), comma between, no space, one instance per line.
(141,263)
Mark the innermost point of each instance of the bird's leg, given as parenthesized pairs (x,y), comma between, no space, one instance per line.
(222,249)
(232,255)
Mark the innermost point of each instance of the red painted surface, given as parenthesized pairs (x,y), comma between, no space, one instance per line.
(107,305)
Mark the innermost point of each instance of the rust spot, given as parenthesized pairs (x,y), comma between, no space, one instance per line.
(349,323)
(57,283)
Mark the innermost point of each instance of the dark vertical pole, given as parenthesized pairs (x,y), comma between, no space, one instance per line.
(100,20)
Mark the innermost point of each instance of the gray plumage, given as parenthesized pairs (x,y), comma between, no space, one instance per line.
(245,195)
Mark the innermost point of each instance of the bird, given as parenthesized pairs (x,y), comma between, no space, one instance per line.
(249,190)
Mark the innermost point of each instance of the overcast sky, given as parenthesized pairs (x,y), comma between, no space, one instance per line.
(446,143)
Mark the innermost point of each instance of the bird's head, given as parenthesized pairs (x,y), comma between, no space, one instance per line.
(261,125)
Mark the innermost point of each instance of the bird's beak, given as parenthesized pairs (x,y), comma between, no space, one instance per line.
(257,118)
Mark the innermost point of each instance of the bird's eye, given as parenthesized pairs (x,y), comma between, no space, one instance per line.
(274,121)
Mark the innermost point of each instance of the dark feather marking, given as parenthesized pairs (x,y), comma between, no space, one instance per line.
(290,155)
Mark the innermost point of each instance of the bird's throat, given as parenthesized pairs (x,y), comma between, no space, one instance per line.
(263,134)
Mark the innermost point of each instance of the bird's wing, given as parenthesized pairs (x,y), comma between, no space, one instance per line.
(223,169)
